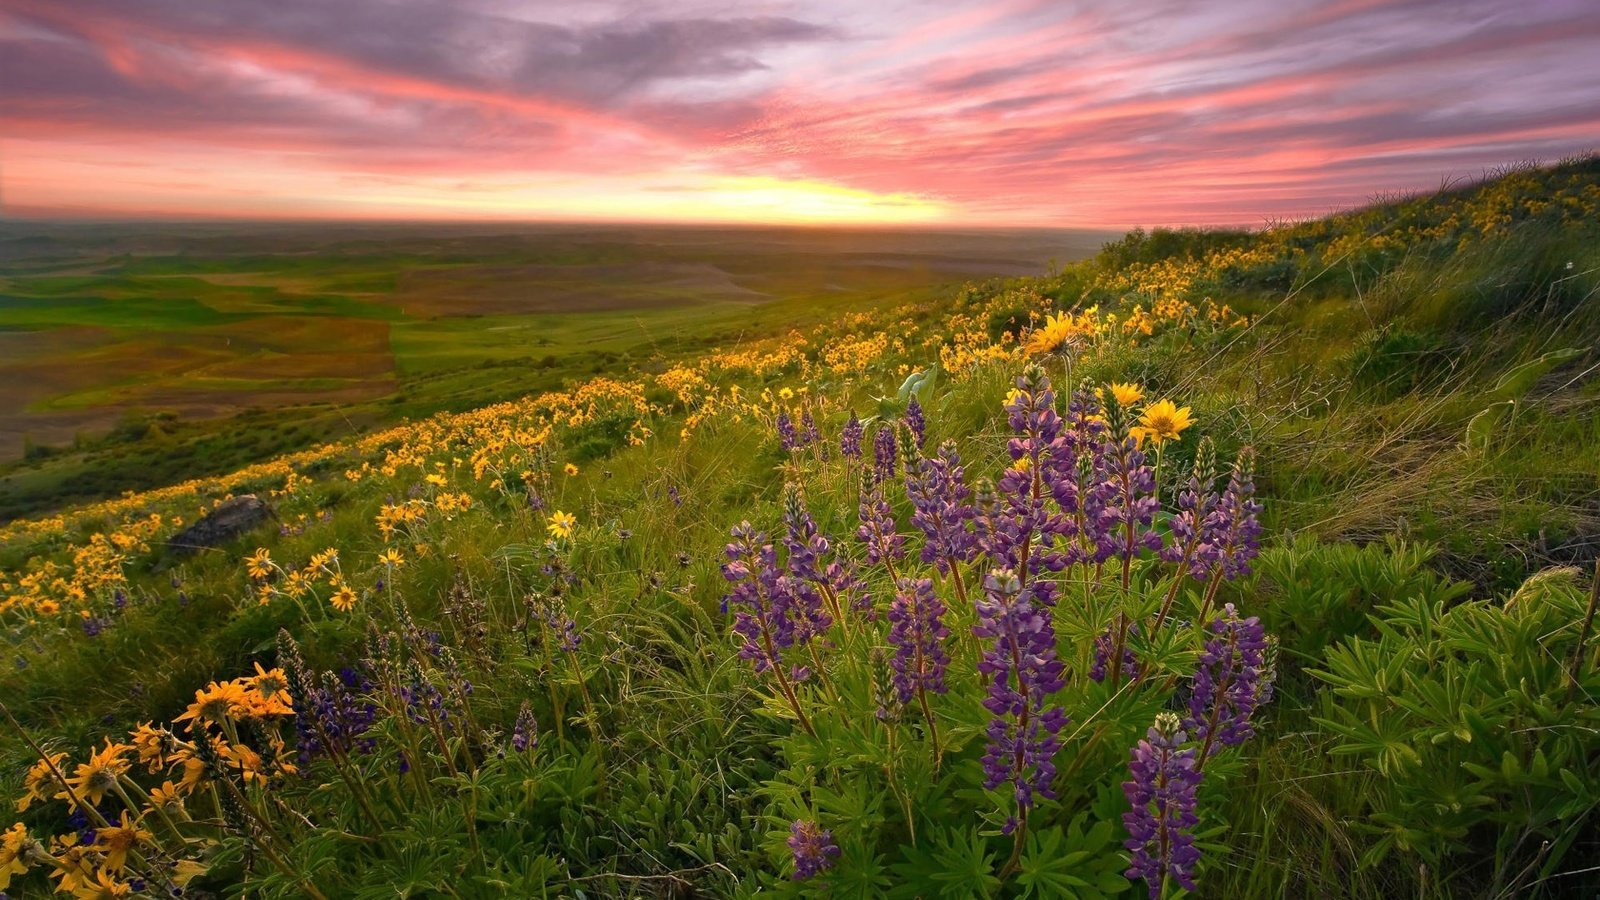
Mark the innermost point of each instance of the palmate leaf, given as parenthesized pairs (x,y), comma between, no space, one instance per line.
(952,863)
(1072,862)
(859,873)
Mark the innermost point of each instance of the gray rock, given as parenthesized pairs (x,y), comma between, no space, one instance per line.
(231,518)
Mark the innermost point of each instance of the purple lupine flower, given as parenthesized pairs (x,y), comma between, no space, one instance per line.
(1129,515)
(1227,682)
(421,699)
(1237,530)
(333,714)
(917,631)
(1022,530)
(941,508)
(763,622)
(917,421)
(1193,545)
(1162,794)
(1023,672)
(813,848)
(812,557)
(525,733)
(788,439)
(808,429)
(883,453)
(1104,647)
(806,544)
(877,529)
(1074,465)
(344,716)
(568,638)
(773,610)
(850,438)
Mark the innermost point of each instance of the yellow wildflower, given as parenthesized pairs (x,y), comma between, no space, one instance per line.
(1126,394)
(1162,421)
(259,563)
(561,524)
(343,599)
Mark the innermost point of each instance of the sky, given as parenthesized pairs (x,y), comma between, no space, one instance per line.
(1101,113)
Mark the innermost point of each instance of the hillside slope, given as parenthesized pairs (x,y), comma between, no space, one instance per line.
(998,605)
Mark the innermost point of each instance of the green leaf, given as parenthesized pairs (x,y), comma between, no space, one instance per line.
(1521,379)
(1485,425)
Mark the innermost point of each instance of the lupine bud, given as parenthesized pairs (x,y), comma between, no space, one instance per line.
(788,439)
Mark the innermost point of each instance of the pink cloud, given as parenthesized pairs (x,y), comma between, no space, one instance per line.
(1001,113)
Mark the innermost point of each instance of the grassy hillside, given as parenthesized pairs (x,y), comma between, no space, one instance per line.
(998,603)
(135,356)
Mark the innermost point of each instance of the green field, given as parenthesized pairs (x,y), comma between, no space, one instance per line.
(111,332)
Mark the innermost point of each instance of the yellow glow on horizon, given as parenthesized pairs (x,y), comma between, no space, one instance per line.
(715,199)
(109,180)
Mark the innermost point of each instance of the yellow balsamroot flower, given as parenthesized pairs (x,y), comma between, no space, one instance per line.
(100,885)
(38,780)
(259,563)
(99,774)
(272,685)
(1126,394)
(571,469)
(166,797)
(118,839)
(391,557)
(13,850)
(1162,421)
(216,703)
(343,599)
(151,742)
(561,524)
(1056,331)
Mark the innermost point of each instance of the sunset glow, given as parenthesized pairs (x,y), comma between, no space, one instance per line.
(1024,112)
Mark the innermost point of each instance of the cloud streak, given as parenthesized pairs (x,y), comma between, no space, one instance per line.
(1021,112)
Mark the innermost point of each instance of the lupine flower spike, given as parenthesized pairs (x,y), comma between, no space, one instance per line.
(1161,791)
(916,421)
(850,438)
(918,632)
(1229,683)
(1022,671)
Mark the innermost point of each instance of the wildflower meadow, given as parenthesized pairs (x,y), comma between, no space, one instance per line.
(1223,564)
